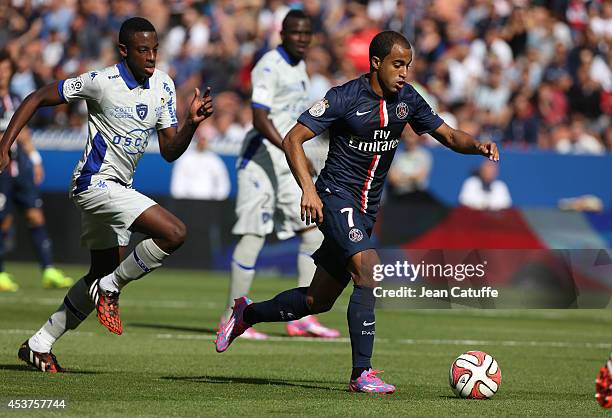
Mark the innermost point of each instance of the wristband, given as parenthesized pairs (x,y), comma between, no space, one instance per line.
(35,157)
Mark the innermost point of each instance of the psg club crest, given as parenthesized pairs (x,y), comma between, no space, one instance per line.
(355,235)
(401,110)
(318,108)
(142,110)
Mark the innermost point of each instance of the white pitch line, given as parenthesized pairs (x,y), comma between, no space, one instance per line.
(183,304)
(208,337)
(550,344)
(507,343)
(170,304)
(31,331)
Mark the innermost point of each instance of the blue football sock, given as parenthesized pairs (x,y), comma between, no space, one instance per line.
(286,306)
(361,320)
(3,237)
(42,245)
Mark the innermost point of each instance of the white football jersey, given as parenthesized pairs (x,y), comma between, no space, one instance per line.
(122,117)
(280,85)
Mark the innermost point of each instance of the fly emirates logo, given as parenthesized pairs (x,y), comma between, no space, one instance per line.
(380,142)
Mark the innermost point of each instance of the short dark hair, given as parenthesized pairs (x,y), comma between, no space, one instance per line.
(133,25)
(294,14)
(382,44)
(5,56)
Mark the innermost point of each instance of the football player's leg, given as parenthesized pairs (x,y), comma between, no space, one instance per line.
(360,314)
(7,284)
(6,219)
(52,277)
(361,320)
(75,307)
(165,234)
(255,202)
(296,303)
(27,197)
(125,211)
(40,238)
(112,211)
(242,270)
(286,306)
(311,240)
(603,385)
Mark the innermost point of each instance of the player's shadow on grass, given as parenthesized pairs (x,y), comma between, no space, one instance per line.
(258,381)
(169,327)
(24,368)
(199,330)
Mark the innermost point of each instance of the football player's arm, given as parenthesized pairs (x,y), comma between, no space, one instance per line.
(45,96)
(464,143)
(264,126)
(25,140)
(173,142)
(293,145)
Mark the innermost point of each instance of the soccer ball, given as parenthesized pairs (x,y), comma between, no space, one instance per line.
(474,375)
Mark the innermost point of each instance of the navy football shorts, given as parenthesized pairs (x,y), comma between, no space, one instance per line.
(19,190)
(346,232)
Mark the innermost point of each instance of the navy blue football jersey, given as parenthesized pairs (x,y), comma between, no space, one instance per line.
(8,106)
(364,131)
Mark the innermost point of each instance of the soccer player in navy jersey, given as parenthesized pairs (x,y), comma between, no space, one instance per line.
(365,119)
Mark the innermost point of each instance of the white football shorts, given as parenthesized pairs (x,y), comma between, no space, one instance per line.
(108,209)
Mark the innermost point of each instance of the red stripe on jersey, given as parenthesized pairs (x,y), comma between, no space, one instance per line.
(382,112)
(368,182)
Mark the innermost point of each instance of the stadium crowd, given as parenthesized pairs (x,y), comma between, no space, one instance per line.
(528,74)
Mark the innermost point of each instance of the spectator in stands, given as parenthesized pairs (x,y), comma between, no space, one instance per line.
(491,101)
(474,55)
(200,174)
(484,191)
(523,126)
(409,172)
(318,62)
(552,104)
(585,93)
(576,140)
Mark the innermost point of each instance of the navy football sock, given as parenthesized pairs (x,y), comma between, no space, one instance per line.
(286,306)
(3,238)
(42,244)
(361,321)
(357,372)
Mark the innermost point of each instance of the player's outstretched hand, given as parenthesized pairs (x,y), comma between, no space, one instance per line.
(489,150)
(201,106)
(311,207)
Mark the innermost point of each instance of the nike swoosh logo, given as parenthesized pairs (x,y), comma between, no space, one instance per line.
(362,113)
(367,324)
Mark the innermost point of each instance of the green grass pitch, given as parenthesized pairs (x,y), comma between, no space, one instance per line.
(165,363)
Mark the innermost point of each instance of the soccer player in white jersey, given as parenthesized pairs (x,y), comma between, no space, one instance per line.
(268,195)
(126,104)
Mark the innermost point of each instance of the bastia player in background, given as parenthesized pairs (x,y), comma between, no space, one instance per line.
(126,103)
(268,197)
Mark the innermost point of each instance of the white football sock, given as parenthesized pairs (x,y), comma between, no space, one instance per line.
(75,308)
(311,240)
(243,268)
(145,258)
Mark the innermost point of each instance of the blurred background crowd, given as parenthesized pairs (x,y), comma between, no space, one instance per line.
(526,74)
